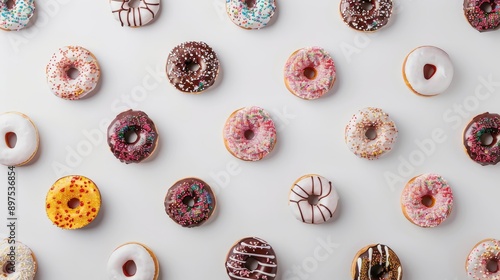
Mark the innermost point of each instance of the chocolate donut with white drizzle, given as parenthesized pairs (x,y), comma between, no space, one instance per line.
(376,261)
(238,259)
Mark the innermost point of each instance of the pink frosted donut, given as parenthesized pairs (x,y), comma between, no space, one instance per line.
(427,200)
(480,126)
(249,133)
(310,73)
(484,253)
(480,17)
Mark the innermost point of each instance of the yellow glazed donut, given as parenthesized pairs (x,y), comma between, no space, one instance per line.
(73,202)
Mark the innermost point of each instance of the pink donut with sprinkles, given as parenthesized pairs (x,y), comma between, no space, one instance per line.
(121,132)
(476,135)
(483,15)
(427,200)
(77,60)
(310,73)
(249,133)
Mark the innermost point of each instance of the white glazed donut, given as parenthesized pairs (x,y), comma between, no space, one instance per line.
(25,263)
(254,17)
(18,17)
(27,139)
(417,80)
(147,267)
(377,121)
(135,16)
(65,59)
(478,259)
(308,187)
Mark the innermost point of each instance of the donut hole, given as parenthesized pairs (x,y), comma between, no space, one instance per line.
(367,5)
(487,7)
(131,136)
(250,3)
(310,73)
(378,272)
(134,3)
(371,133)
(492,265)
(9,268)
(188,201)
(73,203)
(429,71)
(428,200)
(486,139)
(129,268)
(72,73)
(251,264)
(10,4)
(192,66)
(249,134)
(313,199)
(11,139)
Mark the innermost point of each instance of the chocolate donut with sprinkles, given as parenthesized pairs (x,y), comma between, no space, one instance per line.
(475,135)
(483,15)
(248,252)
(366,15)
(192,67)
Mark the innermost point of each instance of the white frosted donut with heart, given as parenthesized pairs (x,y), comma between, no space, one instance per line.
(437,61)
(305,189)
(145,261)
(135,16)
(27,139)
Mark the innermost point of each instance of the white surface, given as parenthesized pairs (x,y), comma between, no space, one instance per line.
(310,138)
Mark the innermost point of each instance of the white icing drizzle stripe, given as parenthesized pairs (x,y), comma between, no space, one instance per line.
(233,259)
(253,255)
(255,246)
(267,265)
(360,261)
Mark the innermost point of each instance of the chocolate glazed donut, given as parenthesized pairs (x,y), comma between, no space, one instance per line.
(192,67)
(366,15)
(480,126)
(251,258)
(376,261)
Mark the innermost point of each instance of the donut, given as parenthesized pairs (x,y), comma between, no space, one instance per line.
(376,261)
(249,133)
(192,67)
(26,146)
(483,15)
(138,16)
(190,202)
(433,188)
(248,252)
(313,199)
(482,125)
(73,202)
(366,121)
(309,73)
(427,71)
(481,256)
(22,266)
(366,15)
(68,59)
(129,123)
(145,261)
(249,14)
(16,17)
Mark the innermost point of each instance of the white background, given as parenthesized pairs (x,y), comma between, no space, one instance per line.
(252,196)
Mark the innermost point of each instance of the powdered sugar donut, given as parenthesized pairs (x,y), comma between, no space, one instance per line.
(425,83)
(17,17)
(366,15)
(370,133)
(146,263)
(480,126)
(22,266)
(481,255)
(427,200)
(251,248)
(253,16)
(483,15)
(135,16)
(249,133)
(310,73)
(313,199)
(27,139)
(71,58)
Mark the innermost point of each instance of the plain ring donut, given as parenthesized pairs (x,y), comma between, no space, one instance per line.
(145,261)
(135,16)
(26,146)
(17,17)
(247,251)
(25,264)
(428,70)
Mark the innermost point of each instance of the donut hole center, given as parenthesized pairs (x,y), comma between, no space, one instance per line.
(371,133)
(313,199)
(134,3)
(367,5)
(131,136)
(192,66)
(429,71)
(11,140)
(377,272)
(251,264)
(428,201)
(73,203)
(310,73)
(492,265)
(72,73)
(10,4)
(129,268)
(487,7)
(486,139)
(9,268)
(249,134)
(250,3)
(188,201)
